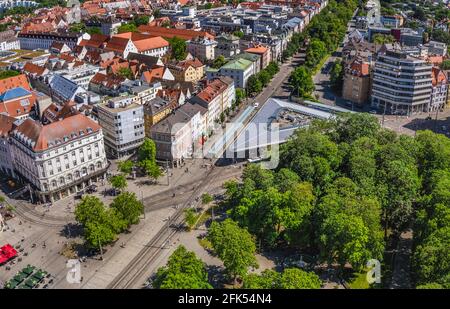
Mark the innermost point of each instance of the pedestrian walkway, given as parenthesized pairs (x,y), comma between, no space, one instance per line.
(401,275)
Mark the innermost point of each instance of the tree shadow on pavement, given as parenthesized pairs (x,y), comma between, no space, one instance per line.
(217,276)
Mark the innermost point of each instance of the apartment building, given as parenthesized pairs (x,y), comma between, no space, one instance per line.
(180,134)
(439,91)
(60,158)
(43,40)
(356,86)
(401,83)
(238,69)
(202,48)
(6,159)
(154,111)
(8,40)
(217,96)
(154,46)
(187,70)
(122,120)
(227,46)
(263,52)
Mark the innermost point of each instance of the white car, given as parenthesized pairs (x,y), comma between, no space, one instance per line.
(256,104)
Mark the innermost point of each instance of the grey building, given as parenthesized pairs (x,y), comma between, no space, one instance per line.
(122,120)
(401,83)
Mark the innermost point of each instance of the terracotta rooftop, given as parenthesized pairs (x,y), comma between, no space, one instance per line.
(155,73)
(14,82)
(32,68)
(214,88)
(170,33)
(257,50)
(6,125)
(40,137)
(438,76)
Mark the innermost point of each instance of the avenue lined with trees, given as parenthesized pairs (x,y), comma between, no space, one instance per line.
(321,37)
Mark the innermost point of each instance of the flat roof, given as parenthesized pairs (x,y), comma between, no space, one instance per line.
(259,133)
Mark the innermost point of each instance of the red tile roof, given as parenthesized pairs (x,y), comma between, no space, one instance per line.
(156,73)
(34,69)
(214,88)
(14,82)
(144,42)
(57,133)
(257,50)
(6,125)
(170,33)
(438,76)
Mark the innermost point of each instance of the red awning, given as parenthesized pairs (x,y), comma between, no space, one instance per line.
(7,252)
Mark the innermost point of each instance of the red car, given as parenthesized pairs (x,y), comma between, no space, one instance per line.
(7,252)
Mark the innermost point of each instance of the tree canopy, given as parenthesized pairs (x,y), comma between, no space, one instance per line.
(183,271)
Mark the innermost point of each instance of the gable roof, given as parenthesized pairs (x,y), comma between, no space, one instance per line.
(34,69)
(14,82)
(170,33)
(117,44)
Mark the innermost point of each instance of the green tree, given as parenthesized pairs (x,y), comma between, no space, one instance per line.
(273,68)
(302,82)
(344,238)
(90,208)
(141,20)
(264,77)
(151,169)
(238,33)
(254,85)
(100,226)
(183,271)
(234,246)
(8,74)
(315,52)
(125,73)
(130,27)
(118,182)
(147,151)
(269,279)
(77,27)
(94,30)
(240,95)
(219,62)
(206,198)
(178,48)
(290,278)
(285,179)
(190,217)
(432,258)
(156,13)
(294,278)
(126,166)
(337,76)
(128,208)
(350,127)
(262,178)
(380,38)
(445,65)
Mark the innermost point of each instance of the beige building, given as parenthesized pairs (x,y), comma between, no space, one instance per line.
(202,48)
(356,85)
(60,158)
(187,70)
